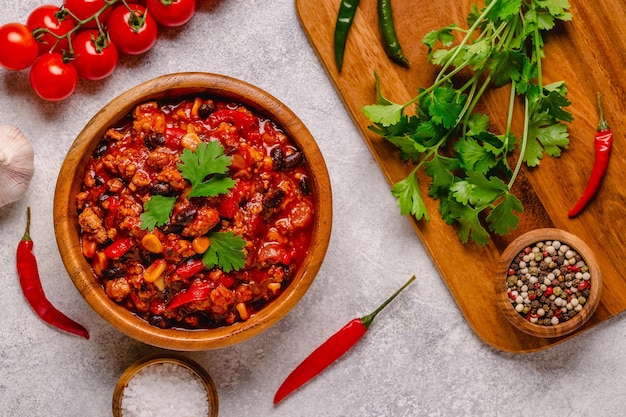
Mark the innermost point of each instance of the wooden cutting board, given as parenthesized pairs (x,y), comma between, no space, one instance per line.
(589,54)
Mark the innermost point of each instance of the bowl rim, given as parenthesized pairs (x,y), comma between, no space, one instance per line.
(187,363)
(529,238)
(177,86)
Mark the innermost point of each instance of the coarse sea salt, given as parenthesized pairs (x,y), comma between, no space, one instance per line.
(165,389)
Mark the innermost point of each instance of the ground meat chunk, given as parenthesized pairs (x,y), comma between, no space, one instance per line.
(91,223)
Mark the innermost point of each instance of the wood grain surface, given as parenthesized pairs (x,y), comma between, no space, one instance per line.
(589,54)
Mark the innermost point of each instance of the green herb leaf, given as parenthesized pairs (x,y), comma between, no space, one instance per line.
(205,168)
(157,211)
(409,197)
(502,218)
(226,251)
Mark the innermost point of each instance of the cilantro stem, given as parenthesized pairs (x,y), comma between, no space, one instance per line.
(466,39)
(523,143)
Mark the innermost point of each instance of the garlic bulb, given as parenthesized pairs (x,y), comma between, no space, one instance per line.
(16,164)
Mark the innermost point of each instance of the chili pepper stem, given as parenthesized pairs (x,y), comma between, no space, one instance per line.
(367,320)
(602,125)
(26,236)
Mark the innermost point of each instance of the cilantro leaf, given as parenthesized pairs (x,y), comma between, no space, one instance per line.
(205,168)
(225,251)
(444,35)
(440,169)
(444,106)
(157,212)
(409,197)
(469,224)
(473,156)
(544,135)
(385,114)
(502,218)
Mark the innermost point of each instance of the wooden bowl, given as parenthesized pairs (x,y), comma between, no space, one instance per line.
(155,360)
(504,301)
(69,184)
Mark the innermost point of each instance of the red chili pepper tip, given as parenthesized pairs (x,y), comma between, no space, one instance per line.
(331,350)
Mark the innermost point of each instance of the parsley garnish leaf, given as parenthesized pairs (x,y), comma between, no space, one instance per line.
(157,212)
(225,252)
(205,168)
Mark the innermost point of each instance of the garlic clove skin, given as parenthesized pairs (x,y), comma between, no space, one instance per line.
(17,164)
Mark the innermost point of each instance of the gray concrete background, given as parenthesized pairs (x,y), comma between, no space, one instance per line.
(420,358)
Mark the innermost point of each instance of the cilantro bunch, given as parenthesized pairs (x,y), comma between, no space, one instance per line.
(444,134)
(206,169)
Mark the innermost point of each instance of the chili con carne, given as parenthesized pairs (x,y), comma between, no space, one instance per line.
(389,35)
(331,350)
(33,291)
(345,17)
(603,143)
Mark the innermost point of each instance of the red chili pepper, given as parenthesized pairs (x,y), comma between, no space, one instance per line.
(118,248)
(603,144)
(331,350)
(240,120)
(198,290)
(190,268)
(33,291)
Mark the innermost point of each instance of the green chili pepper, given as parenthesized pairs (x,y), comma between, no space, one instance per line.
(388,32)
(347,10)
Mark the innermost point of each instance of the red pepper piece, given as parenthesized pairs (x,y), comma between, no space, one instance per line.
(603,145)
(118,248)
(33,291)
(242,121)
(198,290)
(190,268)
(331,350)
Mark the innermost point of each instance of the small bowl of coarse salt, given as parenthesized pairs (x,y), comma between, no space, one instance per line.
(168,386)
(548,282)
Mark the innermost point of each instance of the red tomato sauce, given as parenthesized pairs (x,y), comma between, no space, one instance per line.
(158,274)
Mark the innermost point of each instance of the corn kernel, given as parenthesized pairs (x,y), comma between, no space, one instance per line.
(152,243)
(200,244)
(196,105)
(154,271)
(190,141)
(89,247)
(160,283)
(274,287)
(99,263)
(243,311)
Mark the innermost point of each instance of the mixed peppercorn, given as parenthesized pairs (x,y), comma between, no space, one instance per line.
(548,283)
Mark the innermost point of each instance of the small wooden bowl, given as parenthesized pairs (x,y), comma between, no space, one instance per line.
(155,360)
(68,185)
(504,301)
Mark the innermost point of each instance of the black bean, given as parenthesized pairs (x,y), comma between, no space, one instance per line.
(206,109)
(273,198)
(154,140)
(161,188)
(114,271)
(293,160)
(305,188)
(278,159)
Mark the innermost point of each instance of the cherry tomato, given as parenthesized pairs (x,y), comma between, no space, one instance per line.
(95,57)
(56,21)
(132,32)
(52,78)
(84,9)
(18,47)
(171,13)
